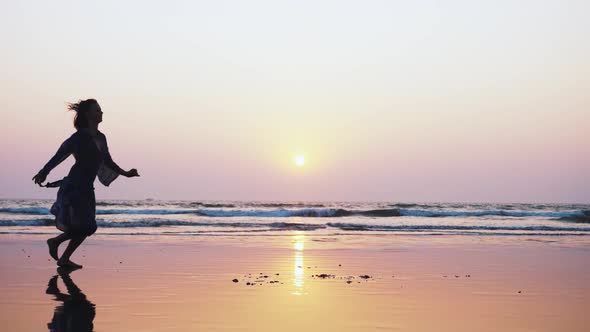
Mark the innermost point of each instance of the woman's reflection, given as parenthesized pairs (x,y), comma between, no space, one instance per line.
(75,313)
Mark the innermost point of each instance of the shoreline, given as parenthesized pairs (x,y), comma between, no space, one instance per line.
(317,240)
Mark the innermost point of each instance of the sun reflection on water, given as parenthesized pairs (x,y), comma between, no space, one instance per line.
(298,245)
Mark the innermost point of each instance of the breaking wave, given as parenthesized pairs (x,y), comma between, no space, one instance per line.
(364,227)
(304,226)
(580,216)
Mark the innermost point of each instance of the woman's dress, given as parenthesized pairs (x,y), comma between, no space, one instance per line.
(75,206)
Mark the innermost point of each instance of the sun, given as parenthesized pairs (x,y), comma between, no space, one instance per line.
(299,160)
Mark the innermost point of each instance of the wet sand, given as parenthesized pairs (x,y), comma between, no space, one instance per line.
(132,284)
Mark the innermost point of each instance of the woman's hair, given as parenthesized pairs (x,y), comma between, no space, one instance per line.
(81,107)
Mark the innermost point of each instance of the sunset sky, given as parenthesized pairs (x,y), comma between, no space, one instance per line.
(418,101)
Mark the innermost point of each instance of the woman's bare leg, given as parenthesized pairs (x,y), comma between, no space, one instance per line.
(64,260)
(54,242)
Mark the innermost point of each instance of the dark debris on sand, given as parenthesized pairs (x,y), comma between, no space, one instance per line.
(458,276)
(273,278)
(259,279)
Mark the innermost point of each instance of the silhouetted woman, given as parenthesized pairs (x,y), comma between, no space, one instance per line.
(75,206)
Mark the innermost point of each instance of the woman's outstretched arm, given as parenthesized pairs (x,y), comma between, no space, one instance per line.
(111,163)
(64,151)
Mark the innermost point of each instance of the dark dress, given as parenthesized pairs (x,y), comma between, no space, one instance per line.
(75,206)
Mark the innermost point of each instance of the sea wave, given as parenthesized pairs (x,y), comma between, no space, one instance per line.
(484,213)
(25,210)
(287,205)
(364,227)
(157,223)
(27,222)
(168,223)
(580,216)
(208,205)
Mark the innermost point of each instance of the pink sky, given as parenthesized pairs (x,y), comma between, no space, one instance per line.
(387,101)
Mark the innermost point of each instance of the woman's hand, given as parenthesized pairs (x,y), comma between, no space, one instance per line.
(39,179)
(131,173)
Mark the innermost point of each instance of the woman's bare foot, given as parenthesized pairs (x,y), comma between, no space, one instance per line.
(68,264)
(53,248)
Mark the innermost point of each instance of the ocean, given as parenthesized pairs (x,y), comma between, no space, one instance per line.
(215,218)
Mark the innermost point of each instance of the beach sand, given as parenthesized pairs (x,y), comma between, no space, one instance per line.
(169,284)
